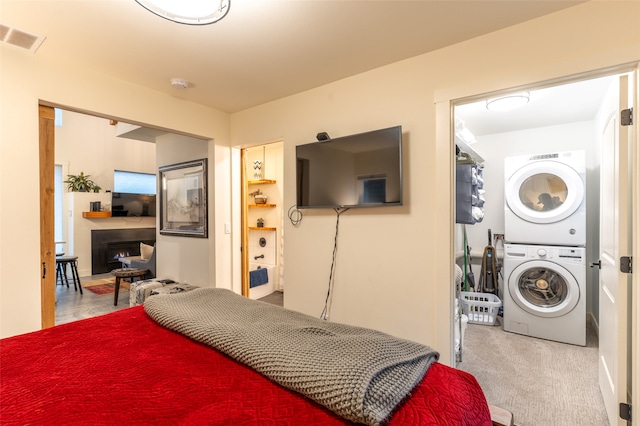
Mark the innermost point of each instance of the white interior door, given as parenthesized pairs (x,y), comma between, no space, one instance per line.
(615,241)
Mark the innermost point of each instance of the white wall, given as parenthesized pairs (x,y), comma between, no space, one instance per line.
(88,144)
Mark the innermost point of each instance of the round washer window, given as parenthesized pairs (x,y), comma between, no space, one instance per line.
(542,287)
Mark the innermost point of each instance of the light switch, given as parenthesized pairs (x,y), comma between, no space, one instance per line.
(227,228)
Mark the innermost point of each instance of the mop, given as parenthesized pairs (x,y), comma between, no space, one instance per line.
(488,275)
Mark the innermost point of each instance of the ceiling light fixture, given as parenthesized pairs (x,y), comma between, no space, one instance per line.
(191,12)
(509,102)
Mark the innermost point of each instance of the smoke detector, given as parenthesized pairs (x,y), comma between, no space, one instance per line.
(179,83)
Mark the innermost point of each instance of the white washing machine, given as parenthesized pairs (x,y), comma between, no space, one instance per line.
(545,199)
(545,292)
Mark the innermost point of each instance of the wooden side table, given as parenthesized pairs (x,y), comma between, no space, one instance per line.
(126,273)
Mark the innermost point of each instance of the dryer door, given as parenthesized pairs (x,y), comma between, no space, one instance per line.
(544,192)
(544,288)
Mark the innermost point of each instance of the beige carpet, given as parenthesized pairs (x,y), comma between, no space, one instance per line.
(541,382)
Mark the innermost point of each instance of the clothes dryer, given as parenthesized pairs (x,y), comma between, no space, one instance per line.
(545,199)
(545,292)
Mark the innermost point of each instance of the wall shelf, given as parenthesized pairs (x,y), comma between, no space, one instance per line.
(264,228)
(253,206)
(261,181)
(96,215)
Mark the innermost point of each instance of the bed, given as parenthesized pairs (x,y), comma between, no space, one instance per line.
(158,364)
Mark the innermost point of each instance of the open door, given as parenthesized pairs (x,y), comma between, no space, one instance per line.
(616,303)
(47,246)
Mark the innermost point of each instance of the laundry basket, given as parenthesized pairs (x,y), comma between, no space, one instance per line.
(480,308)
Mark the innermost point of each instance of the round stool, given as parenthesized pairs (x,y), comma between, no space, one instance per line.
(61,271)
(126,273)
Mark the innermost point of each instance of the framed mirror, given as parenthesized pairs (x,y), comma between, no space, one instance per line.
(183,199)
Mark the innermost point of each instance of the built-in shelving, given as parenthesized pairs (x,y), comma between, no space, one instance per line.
(264,228)
(253,206)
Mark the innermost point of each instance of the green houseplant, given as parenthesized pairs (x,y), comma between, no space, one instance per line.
(79,183)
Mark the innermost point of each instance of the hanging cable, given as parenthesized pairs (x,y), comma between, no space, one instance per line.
(325,312)
(295,215)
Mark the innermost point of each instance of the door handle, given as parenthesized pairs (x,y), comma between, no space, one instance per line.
(44,270)
(598,264)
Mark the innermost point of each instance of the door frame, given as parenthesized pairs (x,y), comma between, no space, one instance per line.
(240,213)
(445,130)
(47,203)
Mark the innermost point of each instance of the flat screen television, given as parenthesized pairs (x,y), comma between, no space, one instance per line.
(134,194)
(362,170)
(124,204)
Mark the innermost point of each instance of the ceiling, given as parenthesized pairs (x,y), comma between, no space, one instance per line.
(263,49)
(561,104)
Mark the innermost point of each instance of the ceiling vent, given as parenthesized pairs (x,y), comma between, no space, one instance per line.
(20,38)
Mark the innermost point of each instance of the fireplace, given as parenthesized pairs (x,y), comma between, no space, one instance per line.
(108,245)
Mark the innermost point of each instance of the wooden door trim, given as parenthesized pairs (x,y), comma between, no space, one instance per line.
(244,223)
(46,117)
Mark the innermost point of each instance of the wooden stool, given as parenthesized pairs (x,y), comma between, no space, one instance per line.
(126,273)
(61,271)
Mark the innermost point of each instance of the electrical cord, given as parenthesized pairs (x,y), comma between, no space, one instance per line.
(295,215)
(325,312)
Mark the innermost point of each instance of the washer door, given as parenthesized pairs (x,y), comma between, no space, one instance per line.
(544,192)
(544,289)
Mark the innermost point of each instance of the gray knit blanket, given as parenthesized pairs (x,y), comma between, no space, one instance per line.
(358,373)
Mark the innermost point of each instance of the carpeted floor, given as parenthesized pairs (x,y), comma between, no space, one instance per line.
(541,382)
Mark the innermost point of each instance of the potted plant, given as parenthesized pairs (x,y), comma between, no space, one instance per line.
(96,188)
(79,183)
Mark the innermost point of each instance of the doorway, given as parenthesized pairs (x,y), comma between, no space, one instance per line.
(101,154)
(490,137)
(261,198)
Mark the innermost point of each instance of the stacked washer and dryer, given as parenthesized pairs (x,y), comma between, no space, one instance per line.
(544,262)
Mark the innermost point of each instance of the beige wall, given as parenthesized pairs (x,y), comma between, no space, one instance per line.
(27,79)
(394,265)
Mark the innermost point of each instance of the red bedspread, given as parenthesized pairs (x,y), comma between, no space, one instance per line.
(123,368)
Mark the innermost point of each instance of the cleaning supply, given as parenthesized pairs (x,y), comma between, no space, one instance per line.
(488,272)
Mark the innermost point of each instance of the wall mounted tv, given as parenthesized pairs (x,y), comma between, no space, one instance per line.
(134,194)
(362,170)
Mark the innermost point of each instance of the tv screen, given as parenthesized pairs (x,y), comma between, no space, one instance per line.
(124,204)
(363,170)
(134,182)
